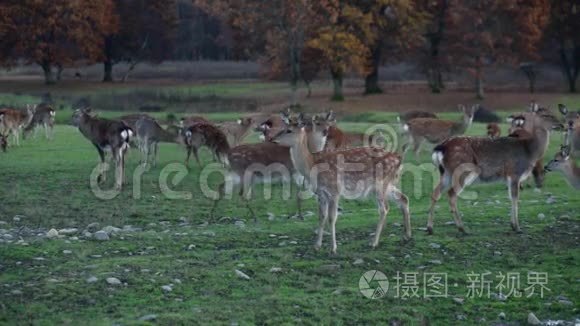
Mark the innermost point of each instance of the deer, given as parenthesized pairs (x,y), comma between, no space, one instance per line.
(247,164)
(188,121)
(464,160)
(436,131)
(566,165)
(13,121)
(573,136)
(150,134)
(372,170)
(209,135)
(44,116)
(338,139)
(3,142)
(237,131)
(105,135)
(316,130)
(493,130)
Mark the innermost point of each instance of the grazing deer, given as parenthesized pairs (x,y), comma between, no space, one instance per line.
(150,134)
(44,115)
(237,131)
(13,121)
(573,136)
(464,160)
(436,131)
(209,135)
(493,130)
(367,170)
(106,135)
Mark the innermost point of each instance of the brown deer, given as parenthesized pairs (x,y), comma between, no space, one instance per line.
(367,170)
(150,134)
(106,135)
(566,165)
(209,135)
(13,121)
(436,131)
(316,131)
(493,130)
(3,142)
(44,116)
(573,136)
(408,116)
(188,121)
(237,131)
(338,139)
(464,160)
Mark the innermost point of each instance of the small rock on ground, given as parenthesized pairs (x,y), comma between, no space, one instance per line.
(167,288)
(52,233)
(148,317)
(92,279)
(241,274)
(533,320)
(113,281)
(275,270)
(101,235)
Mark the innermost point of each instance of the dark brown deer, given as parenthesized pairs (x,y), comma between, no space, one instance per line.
(464,160)
(105,135)
(378,171)
(209,135)
(43,116)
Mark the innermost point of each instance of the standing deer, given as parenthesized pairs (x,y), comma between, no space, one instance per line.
(3,142)
(106,135)
(150,134)
(464,160)
(566,165)
(573,136)
(337,139)
(237,131)
(44,116)
(436,131)
(13,121)
(408,116)
(493,130)
(347,173)
(209,135)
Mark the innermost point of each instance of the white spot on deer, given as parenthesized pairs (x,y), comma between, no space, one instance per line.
(124,134)
(188,133)
(239,121)
(262,137)
(406,127)
(437,158)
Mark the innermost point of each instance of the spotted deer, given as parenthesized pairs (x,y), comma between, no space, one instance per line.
(408,116)
(346,173)
(43,116)
(337,139)
(436,131)
(12,121)
(248,164)
(150,134)
(464,160)
(573,136)
(237,131)
(493,130)
(106,135)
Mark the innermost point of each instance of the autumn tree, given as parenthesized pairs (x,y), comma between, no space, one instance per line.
(565,29)
(54,33)
(485,32)
(145,34)
(431,60)
(398,27)
(341,41)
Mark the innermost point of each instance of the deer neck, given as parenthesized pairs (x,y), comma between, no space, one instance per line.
(302,158)
(572,173)
(168,137)
(539,142)
(460,127)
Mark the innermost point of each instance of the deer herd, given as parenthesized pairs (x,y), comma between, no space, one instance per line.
(313,153)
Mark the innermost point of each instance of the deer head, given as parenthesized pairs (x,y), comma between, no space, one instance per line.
(560,159)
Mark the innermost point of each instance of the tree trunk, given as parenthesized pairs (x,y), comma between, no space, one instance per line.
(337,83)
(108,71)
(570,67)
(48,75)
(372,79)
(59,70)
(479,78)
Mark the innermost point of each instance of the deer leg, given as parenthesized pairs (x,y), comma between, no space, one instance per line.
(514,192)
(155,149)
(403,203)
(221,192)
(383,207)
(195,154)
(435,196)
(453,194)
(538,173)
(117,157)
(102,176)
(299,189)
(45,132)
(333,214)
(322,217)
(417,148)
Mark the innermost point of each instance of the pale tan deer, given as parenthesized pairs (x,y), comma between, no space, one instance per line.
(43,116)
(346,173)
(237,131)
(105,135)
(12,121)
(464,160)
(436,131)
(567,166)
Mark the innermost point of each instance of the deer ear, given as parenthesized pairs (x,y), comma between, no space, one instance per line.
(285,118)
(563,109)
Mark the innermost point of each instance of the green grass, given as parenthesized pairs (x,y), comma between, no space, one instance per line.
(47,183)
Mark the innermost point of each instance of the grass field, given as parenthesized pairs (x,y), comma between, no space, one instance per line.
(176,269)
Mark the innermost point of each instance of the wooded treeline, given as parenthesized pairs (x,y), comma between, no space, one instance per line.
(296,40)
